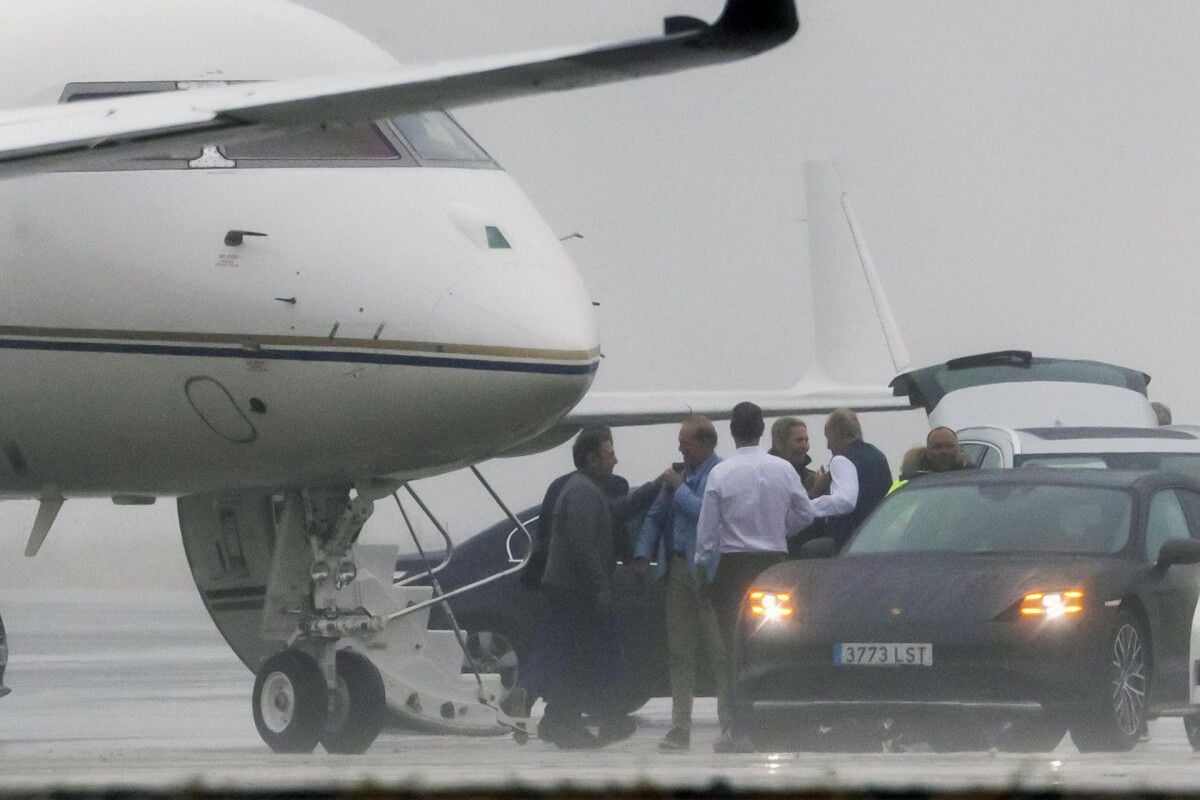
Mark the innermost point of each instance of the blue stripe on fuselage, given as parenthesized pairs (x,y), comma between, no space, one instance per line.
(344,357)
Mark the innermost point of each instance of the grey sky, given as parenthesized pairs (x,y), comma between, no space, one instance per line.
(1025,173)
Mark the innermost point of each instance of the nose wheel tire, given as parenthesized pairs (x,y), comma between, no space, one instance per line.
(1117,716)
(290,702)
(357,707)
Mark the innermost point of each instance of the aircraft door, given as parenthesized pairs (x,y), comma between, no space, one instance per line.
(1174,595)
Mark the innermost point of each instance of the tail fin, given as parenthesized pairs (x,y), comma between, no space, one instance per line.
(857,343)
(856,338)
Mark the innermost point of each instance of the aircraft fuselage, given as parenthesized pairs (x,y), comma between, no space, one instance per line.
(372,331)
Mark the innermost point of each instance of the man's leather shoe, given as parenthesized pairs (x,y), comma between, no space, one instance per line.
(676,740)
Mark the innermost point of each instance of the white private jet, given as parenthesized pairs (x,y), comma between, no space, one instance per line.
(284,293)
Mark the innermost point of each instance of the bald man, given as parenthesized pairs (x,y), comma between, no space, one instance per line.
(942,453)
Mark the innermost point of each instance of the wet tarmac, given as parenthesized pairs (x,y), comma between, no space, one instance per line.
(139,690)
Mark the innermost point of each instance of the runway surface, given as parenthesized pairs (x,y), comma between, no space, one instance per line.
(139,690)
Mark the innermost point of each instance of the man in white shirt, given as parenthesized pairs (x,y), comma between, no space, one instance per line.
(752,502)
(858,478)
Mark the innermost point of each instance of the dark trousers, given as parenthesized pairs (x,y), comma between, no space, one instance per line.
(735,575)
(582,662)
(540,664)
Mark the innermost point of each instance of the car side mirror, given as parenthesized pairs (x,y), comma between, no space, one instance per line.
(1179,551)
(823,547)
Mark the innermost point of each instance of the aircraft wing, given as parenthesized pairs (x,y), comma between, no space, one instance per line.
(653,408)
(814,395)
(73,135)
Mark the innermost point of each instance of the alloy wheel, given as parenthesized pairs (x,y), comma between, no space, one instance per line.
(1129,679)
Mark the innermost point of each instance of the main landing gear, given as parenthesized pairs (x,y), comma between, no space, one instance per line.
(337,646)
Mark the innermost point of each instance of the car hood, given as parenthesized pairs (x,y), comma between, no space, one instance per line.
(967,587)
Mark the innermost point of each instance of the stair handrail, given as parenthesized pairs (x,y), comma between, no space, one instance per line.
(413,533)
(482,581)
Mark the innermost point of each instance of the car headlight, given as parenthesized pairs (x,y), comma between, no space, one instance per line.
(770,606)
(1052,605)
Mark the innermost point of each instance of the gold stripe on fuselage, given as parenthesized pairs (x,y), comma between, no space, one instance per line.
(254,342)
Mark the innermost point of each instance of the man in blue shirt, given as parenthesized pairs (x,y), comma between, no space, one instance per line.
(668,535)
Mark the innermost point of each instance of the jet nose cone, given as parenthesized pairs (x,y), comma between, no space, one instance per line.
(530,333)
(522,307)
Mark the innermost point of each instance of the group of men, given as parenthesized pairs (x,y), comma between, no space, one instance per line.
(710,527)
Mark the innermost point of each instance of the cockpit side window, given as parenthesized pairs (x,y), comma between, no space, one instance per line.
(364,140)
(435,136)
(429,138)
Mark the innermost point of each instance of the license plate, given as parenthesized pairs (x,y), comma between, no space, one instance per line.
(882,654)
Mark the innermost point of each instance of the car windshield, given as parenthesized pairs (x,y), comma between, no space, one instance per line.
(998,518)
(1181,463)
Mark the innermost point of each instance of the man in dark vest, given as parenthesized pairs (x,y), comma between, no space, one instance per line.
(857,479)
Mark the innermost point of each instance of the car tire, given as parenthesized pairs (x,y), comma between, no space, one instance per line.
(1191,726)
(495,647)
(1116,713)
(1039,735)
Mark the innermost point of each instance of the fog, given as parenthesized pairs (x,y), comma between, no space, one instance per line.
(1024,173)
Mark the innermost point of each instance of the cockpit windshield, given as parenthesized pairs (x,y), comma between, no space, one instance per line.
(340,142)
(426,138)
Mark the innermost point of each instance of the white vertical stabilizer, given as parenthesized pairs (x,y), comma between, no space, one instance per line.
(856,339)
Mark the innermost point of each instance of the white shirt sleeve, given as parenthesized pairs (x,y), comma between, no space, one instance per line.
(843,489)
(800,511)
(707,527)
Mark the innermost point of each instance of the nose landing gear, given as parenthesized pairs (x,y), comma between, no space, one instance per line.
(334,641)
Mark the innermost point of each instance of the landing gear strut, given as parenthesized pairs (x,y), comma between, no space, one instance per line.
(333,640)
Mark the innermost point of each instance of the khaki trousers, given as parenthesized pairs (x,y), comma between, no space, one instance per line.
(692,623)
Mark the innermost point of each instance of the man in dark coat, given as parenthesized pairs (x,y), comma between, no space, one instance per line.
(581,653)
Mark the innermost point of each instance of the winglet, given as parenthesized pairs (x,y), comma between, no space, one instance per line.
(771,22)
